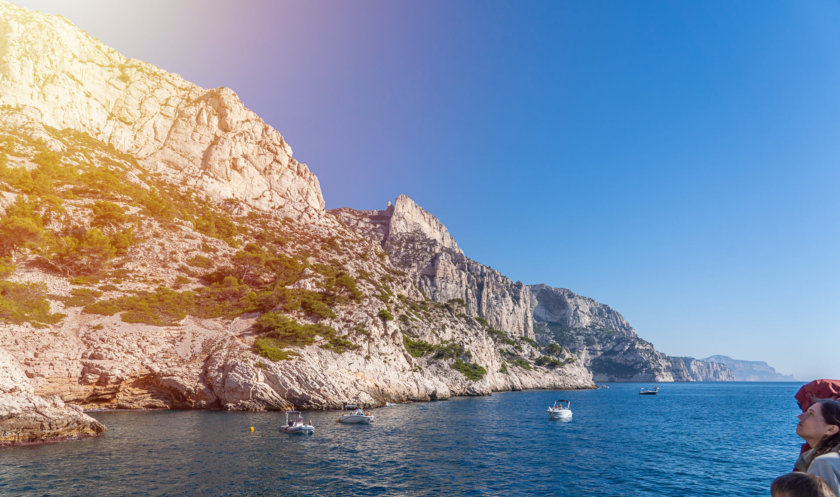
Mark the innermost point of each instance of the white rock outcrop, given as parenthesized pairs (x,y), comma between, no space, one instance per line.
(200,138)
(26,417)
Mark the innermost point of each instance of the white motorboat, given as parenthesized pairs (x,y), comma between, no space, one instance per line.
(295,424)
(560,410)
(359,416)
(645,391)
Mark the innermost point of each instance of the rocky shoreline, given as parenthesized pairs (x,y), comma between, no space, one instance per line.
(26,418)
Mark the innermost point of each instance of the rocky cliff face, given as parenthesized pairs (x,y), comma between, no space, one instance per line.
(570,310)
(173,318)
(610,346)
(421,246)
(206,139)
(606,343)
(26,417)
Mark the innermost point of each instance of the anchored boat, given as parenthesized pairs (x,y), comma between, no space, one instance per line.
(560,410)
(358,417)
(295,425)
(645,391)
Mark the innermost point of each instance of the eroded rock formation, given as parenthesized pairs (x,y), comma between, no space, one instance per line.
(199,138)
(26,417)
(420,245)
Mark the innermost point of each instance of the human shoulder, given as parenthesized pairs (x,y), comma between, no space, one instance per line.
(828,457)
(825,464)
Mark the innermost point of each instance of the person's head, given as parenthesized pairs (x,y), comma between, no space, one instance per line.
(800,485)
(819,425)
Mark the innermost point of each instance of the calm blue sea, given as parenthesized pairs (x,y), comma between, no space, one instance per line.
(693,439)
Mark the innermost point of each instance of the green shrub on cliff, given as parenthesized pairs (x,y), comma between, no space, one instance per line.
(26,303)
(522,363)
(108,214)
(80,254)
(548,362)
(554,349)
(80,297)
(273,349)
(216,225)
(199,260)
(313,303)
(21,227)
(450,350)
(471,371)
(280,331)
(417,348)
(6,267)
(500,335)
(385,315)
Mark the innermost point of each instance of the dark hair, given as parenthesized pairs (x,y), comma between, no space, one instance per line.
(830,409)
(800,485)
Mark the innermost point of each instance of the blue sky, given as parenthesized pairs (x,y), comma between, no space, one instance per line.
(677,161)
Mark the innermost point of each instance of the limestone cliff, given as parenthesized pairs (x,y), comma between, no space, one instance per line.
(565,308)
(421,246)
(173,315)
(610,346)
(199,138)
(26,417)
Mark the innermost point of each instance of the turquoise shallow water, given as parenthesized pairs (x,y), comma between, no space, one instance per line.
(701,439)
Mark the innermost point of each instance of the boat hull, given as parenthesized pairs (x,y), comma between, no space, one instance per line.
(354,419)
(561,415)
(298,430)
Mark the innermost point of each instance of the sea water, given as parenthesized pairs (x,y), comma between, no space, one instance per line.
(692,439)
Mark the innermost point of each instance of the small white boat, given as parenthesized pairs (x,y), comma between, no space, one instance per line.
(560,410)
(295,425)
(645,391)
(358,417)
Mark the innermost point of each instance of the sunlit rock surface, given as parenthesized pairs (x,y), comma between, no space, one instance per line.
(200,138)
(27,418)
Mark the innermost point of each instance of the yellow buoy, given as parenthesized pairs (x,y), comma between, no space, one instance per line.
(252,429)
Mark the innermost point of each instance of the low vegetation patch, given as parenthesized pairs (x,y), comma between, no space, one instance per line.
(80,297)
(500,336)
(26,303)
(522,363)
(361,330)
(280,332)
(471,371)
(548,362)
(418,348)
(385,315)
(200,261)
(554,349)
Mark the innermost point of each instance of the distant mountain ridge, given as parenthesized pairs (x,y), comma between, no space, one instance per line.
(750,370)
